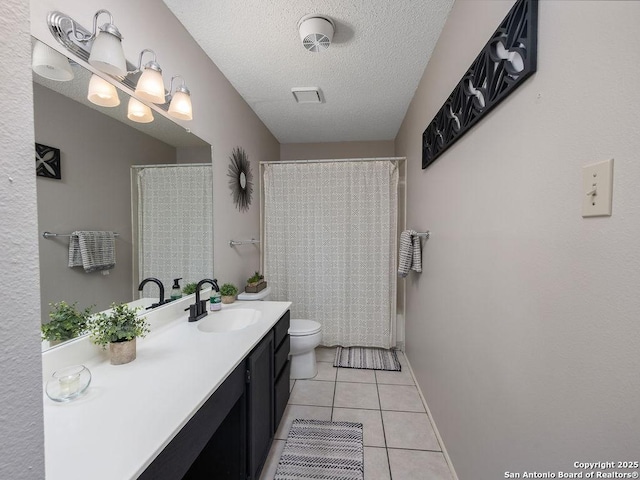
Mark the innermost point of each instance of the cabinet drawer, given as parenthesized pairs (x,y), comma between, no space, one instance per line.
(281,394)
(281,356)
(282,328)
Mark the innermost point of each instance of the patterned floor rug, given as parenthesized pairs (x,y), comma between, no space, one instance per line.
(368,358)
(318,449)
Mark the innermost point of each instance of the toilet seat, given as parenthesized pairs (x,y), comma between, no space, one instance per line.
(300,328)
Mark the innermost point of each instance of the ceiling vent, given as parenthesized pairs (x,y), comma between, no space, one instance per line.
(307,95)
(316,32)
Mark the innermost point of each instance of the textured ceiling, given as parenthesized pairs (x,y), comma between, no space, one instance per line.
(368,76)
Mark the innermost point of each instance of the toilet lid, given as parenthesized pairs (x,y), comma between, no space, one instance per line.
(304,327)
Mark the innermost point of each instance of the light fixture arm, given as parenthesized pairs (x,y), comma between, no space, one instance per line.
(152,64)
(181,88)
(83,37)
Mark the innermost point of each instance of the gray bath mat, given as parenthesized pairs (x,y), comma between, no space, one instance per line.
(325,450)
(368,358)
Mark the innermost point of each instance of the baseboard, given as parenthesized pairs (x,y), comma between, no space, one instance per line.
(433,423)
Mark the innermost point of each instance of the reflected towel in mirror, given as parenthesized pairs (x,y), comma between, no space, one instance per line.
(92,250)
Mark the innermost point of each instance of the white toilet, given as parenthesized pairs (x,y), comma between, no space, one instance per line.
(305,336)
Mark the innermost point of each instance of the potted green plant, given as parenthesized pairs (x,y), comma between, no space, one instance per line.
(189,288)
(119,329)
(255,283)
(66,322)
(228,291)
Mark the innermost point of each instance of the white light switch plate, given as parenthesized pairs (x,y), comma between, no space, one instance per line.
(599,178)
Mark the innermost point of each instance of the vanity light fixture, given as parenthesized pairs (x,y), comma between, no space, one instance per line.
(102,93)
(139,112)
(180,106)
(150,86)
(102,48)
(50,63)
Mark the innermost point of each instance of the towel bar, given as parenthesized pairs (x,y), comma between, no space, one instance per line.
(51,235)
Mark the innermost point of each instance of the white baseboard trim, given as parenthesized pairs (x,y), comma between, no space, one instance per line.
(433,423)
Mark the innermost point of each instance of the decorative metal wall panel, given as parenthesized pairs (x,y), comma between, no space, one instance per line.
(48,161)
(507,60)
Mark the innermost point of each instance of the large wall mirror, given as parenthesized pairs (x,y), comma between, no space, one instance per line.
(98,146)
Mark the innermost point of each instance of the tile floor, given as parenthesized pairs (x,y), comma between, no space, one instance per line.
(399,442)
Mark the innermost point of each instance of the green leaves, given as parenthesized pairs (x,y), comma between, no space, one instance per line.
(228,290)
(189,288)
(66,322)
(120,324)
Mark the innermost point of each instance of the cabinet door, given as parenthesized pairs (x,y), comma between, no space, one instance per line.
(260,404)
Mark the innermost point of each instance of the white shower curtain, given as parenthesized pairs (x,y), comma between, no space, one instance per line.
(175,225)
(330,241)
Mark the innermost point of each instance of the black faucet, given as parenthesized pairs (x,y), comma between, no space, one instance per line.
(157,282)
(199,309)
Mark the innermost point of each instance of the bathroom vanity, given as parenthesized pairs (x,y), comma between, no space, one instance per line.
(194,404)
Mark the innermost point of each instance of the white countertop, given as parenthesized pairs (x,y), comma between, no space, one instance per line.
(131,412)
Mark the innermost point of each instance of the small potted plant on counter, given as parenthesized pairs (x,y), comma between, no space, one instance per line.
(119,329)
(255,283)
(228,291)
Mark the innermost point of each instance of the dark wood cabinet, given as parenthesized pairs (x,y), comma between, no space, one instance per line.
(230,436)
(259,404)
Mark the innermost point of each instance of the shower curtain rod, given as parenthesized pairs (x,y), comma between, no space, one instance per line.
(330,160)
(172,165)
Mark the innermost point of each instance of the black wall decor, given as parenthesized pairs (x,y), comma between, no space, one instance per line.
(48,161)
(240,179)
(507,60)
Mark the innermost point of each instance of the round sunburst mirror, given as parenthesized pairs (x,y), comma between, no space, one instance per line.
(240,179)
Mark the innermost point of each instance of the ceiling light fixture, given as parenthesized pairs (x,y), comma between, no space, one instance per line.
(316,32)
(50,63)
(102,93)
(139,112)
(150,86)
(180,106)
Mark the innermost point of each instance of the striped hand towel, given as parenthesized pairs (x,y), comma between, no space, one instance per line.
(93,251)
(410,254)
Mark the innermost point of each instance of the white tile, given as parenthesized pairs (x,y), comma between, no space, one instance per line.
(356,375)
(325,354)
(371,421)
(271,465)
(376,464)
(293,412)
(326,372)
(292,382)
(394,378)
(412,464)
(402,398)
(311,392)
(356,395)
(409,430)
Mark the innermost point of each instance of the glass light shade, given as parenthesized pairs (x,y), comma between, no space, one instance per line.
(50,63)
(180,106)
(102,92)
(107,54)
(139,112)
(150,87)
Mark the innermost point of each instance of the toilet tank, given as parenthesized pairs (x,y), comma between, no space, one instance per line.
(261,295)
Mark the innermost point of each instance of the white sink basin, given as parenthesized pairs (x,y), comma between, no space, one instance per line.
(229,320)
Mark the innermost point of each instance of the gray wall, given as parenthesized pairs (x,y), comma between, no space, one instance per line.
(94,194)
(316,151)
(523,328)
(21,427)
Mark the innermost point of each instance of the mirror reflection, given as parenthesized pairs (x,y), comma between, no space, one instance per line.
(95,147)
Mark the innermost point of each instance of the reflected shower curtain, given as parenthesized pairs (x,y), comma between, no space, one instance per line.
(330,242)
(175,225)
